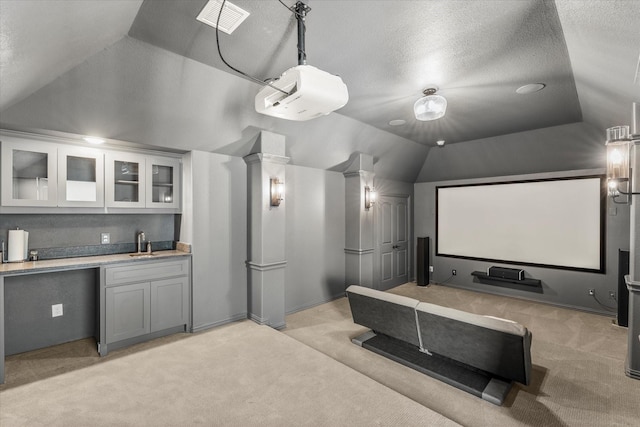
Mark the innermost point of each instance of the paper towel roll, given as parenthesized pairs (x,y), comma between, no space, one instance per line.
(26,245)
(18,245)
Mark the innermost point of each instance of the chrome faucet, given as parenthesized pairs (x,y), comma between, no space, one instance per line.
(141,237)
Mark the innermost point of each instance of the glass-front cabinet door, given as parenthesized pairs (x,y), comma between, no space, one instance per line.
(163,189)
(125,180)
(80,177)
(29,173)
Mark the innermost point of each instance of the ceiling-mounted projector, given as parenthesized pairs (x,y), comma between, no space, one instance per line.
(302,93)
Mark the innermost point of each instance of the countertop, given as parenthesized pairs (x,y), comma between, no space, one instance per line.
(27,267)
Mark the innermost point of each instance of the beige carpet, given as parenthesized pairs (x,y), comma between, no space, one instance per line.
(241,374)
(578,361)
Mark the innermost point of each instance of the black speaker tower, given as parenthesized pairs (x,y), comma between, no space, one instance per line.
(422,263)
(623,292)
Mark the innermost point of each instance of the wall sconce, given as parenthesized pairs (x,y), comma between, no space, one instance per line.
(619,145)
(277,191)
(370,196)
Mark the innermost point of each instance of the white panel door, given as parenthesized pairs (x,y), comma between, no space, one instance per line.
(393,241)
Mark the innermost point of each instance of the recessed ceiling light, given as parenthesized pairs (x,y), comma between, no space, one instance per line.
(398,122)
(440,142)
(93,140)
(530,88)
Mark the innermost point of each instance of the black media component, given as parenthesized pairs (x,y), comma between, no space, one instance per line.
(506,273)
(623,292)
(422,265)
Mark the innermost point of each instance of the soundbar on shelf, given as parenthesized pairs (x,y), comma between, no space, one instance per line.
(481,275)
(506,273)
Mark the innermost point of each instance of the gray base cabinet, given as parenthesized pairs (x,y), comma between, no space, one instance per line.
(127,311)
(142,301)
(169,304)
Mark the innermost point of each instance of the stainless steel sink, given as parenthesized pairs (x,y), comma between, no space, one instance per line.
(143,255)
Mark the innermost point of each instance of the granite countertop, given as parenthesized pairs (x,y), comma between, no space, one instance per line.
(26,267)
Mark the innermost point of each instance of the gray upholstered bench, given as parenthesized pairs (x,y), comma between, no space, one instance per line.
(479,354)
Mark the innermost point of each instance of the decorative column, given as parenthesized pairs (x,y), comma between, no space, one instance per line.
(2,329)
(632,365)
(266,231)
(359,244)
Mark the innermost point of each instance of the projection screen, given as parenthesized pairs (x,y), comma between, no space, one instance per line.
(557,223)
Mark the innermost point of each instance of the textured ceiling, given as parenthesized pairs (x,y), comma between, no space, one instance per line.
(387,52)
(41,40)
(149,73)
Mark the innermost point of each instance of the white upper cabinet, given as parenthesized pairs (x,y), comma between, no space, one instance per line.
(46,172)
(139,181)
(80,177)
(29,173)
(163,183)
(125,180)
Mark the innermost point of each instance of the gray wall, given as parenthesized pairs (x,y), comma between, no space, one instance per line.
(562,287)
(29,298)
(176,111)
(315,235)
(215,196)
(215,223)
(559,148)
(28,301)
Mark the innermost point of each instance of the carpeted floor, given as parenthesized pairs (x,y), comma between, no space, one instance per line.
(240,374)
(578,362)
(245,374)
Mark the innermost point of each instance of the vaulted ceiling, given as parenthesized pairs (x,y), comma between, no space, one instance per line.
(149,72)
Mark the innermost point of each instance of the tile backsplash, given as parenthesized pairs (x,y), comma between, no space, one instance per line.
(70,235)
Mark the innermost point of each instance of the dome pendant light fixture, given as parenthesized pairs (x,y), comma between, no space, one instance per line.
(430,106)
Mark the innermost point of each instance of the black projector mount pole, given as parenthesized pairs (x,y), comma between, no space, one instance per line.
(301,9)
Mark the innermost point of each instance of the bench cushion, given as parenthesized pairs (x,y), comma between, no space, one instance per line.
(389,314)
(489,322)
(498,346)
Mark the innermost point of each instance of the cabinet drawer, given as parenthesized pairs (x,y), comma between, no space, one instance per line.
(146,272)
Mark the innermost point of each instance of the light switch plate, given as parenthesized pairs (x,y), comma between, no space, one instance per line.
(105,238)
(56,310)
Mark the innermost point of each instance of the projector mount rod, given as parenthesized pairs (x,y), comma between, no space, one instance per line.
(301,9)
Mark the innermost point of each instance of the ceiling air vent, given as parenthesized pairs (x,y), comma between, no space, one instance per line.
(232,16)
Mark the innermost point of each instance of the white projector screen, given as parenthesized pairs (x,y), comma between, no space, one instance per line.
(557,223)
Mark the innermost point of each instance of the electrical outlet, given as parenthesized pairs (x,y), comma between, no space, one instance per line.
(105,238)
(454,272)
(431,269)
(56,310)
(612,295)
(592,292)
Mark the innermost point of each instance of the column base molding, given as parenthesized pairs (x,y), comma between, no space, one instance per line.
(631,373)
(265,267)
(358,251)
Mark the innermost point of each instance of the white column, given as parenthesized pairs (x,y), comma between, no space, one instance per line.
(266,232)
(1,329)
(359,242)
(632,366)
